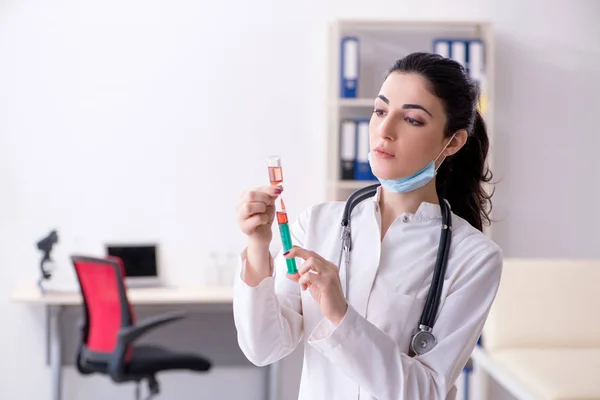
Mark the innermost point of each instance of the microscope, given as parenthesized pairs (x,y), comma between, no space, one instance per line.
(45,246)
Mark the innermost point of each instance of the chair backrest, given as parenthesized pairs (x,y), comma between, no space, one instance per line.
(106,306)
(545,303)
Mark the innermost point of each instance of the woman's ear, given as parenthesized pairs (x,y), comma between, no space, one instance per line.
(456,143)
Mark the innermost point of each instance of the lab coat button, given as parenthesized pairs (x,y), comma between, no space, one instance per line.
(405,218)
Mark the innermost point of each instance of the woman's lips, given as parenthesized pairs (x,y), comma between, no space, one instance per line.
(382,153)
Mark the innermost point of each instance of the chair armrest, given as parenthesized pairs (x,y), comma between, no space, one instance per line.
(129,334)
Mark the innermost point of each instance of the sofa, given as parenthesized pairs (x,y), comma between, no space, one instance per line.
(542,337)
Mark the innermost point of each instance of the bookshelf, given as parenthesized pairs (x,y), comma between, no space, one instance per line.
(380,43)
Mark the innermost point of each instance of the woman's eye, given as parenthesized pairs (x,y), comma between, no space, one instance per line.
(378,112)
(413,121)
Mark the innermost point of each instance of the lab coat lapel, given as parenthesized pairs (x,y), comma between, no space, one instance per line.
(364,258)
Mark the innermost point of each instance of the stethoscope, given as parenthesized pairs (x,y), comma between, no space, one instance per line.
(422,340)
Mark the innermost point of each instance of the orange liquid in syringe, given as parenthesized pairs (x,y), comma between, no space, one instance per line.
(275,175)
(282,217)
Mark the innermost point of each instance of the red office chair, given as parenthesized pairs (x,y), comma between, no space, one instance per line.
(109,330)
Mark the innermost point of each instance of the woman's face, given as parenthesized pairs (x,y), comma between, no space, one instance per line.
(407,127)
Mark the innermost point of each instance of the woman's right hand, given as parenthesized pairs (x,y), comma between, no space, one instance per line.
(256,212)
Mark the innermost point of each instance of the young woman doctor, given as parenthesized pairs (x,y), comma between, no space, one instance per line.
(428,143)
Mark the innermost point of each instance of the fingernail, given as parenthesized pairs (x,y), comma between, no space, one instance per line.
(286,253)
(277,191)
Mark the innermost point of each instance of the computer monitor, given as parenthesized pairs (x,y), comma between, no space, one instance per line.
(139,261)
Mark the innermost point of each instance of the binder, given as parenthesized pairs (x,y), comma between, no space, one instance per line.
(470,53)
(363,168)
(475,60)
(442,47)
(347,149)
(458,52)
(349,67)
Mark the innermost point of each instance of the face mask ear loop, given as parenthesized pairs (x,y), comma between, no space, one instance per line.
(438,156)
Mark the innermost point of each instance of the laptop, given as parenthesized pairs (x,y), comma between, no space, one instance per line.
(140,263)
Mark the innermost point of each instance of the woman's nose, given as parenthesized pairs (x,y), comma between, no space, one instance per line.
(387,130)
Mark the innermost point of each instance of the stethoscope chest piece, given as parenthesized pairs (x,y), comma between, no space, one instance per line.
(422,341)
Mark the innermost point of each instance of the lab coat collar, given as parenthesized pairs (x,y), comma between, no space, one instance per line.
(425,212)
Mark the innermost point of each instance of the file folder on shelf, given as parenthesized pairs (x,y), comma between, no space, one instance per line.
(349,60)
(476,70)
(475,60)
(347,149)
(363,168)
(458,52)
(470,53)
(442,47)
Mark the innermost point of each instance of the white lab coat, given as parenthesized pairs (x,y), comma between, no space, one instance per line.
(365,356)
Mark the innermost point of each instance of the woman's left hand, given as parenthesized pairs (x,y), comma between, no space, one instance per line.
(322,280)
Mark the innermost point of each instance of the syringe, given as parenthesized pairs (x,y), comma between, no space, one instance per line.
(276,178)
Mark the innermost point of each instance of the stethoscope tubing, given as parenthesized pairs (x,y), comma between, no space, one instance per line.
(432,302)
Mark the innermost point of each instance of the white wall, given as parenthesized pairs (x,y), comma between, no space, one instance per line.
(143,120)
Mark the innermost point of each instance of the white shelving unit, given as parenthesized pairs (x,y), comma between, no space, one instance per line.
(381,42)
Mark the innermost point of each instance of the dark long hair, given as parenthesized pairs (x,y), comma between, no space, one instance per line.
(462,176)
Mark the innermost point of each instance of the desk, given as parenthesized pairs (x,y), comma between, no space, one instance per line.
(137,296)
(56,301)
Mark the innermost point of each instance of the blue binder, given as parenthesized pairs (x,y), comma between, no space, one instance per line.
(476,59)
(468,52)
(349,56)
(362,170)
(442,47)
(347,149)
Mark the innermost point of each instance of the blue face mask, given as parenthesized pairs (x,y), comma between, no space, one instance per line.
(415,181)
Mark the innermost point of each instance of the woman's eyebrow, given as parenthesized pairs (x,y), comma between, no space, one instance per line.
(416,106)
(385,99)
(405,106)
